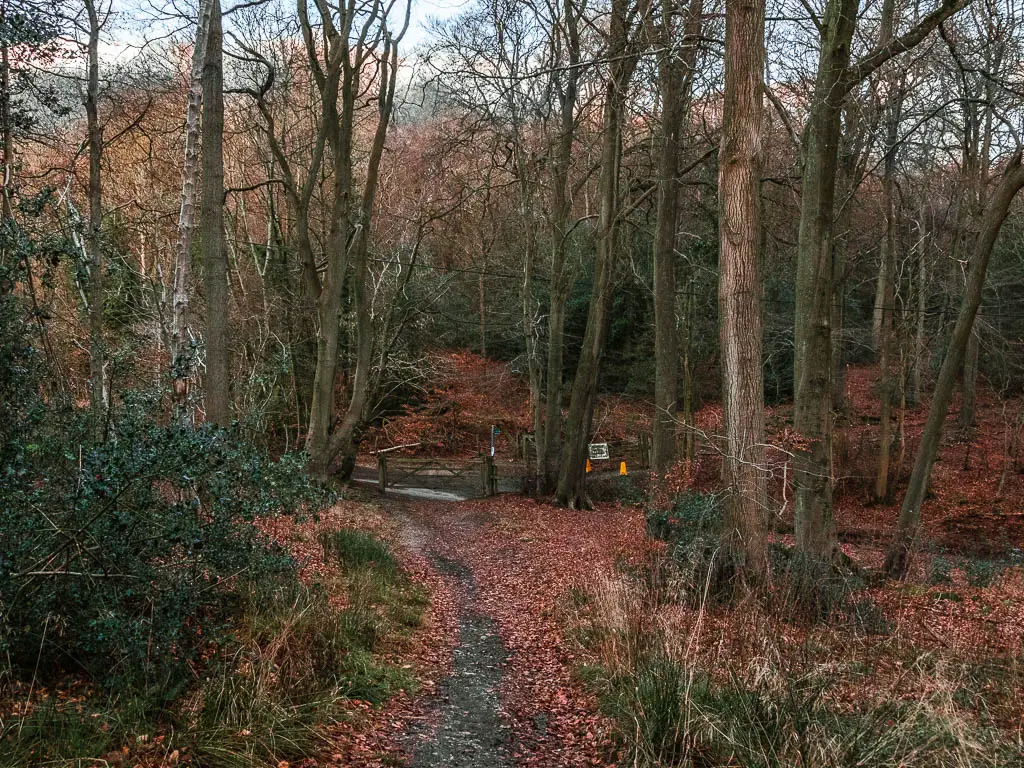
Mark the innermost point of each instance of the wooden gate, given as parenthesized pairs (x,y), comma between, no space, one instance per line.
(477,472)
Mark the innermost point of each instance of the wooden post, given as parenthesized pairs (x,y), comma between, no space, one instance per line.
(487,476)
(382,473)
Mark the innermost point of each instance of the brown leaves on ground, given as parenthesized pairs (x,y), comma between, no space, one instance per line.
(525,558)
(366,736)
(471,393)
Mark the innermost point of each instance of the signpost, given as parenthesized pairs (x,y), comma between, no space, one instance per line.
(597,451)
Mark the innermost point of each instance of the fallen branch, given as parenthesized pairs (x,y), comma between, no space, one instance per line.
(934,634)
(394,448)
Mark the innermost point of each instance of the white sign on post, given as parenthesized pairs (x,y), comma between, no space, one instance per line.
(598,451)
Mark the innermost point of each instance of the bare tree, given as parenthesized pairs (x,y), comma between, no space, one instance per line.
(812,411)
(345,441)
(622,56)
(566,87)
(885,296)
(181,357)
(675,80)
(354,35)
(93,239)
(745,533)
(996,210)
(217,383)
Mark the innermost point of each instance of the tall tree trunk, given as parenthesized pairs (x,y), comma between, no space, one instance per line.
(886,295)
(892,109)
(745,533)
(570,491)
(969,378)
(345,440)
(853,160)
(530,316)
(5,117)
(815,529)
(299,329)
(898,558)
(97,353)
(812,480)
(338,121)
(549,443)
(675,75)
(838,320)
(215,264)
(921,296)
(686,342)
(481,297)
(181,357)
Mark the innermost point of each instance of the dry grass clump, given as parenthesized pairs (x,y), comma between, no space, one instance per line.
(712,685)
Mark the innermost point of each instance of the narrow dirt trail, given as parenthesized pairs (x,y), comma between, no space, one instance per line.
(509,697)
(464,727)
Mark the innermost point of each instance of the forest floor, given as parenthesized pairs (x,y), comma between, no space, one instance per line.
(496,672)
(499,658)
(976,500)
(506,572)
(501,662)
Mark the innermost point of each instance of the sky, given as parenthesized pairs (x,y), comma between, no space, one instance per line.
(423,11)
(123,38)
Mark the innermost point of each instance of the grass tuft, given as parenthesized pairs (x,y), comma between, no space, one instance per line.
(681,698)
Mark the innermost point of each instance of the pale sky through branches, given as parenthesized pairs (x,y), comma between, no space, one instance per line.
(423,11)
(134,22)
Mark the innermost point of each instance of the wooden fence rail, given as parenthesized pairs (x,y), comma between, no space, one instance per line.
(479,471)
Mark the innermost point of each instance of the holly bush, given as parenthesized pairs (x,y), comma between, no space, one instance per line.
(124,557)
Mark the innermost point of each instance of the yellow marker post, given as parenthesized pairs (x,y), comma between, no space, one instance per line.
(622,469)
(588,465)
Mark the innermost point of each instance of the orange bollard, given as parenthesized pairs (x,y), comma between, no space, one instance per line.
(588,465)
(622,469)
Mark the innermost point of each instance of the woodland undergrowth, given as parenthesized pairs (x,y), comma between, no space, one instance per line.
(806,673)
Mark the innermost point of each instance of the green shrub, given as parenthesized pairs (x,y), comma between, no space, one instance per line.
(125,559)
(692,517)
(287,658)
(981,572)
(626,490)
(692,527)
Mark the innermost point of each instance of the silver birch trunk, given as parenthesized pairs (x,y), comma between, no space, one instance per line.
(181,367)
